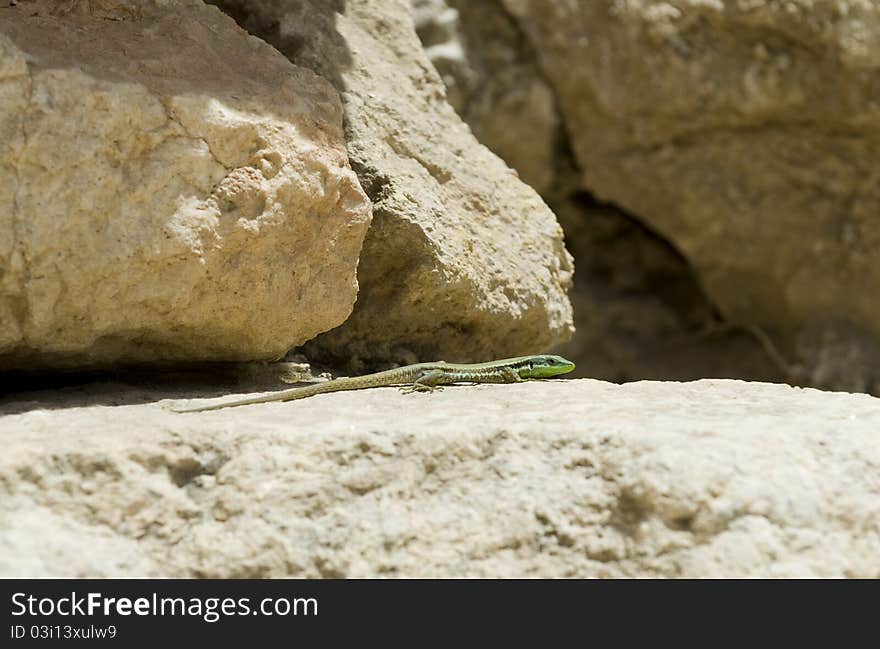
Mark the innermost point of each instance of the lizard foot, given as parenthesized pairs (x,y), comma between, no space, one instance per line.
(419,387)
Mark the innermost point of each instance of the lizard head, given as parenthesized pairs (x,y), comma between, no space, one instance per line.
(545,365)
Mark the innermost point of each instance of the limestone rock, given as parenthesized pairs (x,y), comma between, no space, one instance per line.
(171,189)
(703,479)
(747,134)
(463,261)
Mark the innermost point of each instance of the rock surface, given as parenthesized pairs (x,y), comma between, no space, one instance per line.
(170,189)
(463,261)
(558,478)
(747,134)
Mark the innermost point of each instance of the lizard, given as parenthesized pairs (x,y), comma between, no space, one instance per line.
(421,377)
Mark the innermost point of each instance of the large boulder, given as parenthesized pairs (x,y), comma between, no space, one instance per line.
(171,189)
(704,479)
(747,134)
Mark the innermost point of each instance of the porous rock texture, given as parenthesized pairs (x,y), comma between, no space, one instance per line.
(558,478)
(171,188)
(463,261)
(748,134)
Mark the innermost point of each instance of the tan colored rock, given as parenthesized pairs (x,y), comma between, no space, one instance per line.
(558,478)
(463,261)
(170,189)
(747,133)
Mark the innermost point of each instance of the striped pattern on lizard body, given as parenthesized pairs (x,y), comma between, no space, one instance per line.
(422,377)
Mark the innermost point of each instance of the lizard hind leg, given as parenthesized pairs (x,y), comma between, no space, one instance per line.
(427,382)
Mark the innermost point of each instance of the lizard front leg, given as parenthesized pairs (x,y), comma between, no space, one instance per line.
(510,375)
(427,382)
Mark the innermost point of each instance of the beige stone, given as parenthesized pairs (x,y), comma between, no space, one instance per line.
(557,478)
(463,261)
(171,189)
(746,133)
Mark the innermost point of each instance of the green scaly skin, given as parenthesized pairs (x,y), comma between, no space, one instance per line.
(423,377)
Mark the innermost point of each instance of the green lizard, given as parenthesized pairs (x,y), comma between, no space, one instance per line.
(422,377)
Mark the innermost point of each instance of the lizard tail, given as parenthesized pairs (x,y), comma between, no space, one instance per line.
(283,395)
(389,377)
